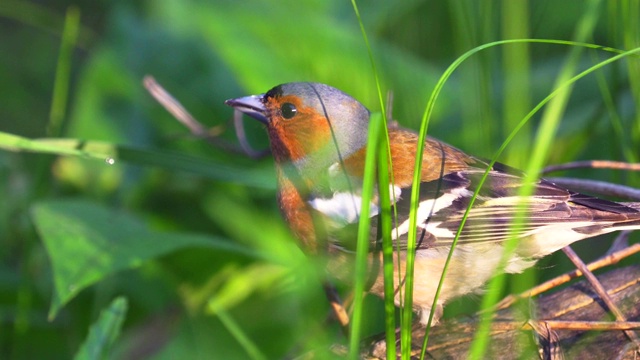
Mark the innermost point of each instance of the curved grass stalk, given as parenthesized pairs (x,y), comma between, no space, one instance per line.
(425,122)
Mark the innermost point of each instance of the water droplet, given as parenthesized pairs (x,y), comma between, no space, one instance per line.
(110,161)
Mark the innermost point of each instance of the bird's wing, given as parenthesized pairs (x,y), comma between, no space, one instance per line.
(446,194)
(443,203)
(498,205)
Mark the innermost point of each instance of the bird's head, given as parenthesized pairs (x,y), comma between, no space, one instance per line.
(310,125)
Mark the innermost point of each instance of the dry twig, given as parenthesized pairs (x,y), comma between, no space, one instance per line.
(595,164)
(598,187)
(599,289)
(565,278)
(198,130)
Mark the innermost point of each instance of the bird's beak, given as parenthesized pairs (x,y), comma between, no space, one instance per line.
(252,106)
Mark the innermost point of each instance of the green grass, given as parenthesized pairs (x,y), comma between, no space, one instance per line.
(115,222)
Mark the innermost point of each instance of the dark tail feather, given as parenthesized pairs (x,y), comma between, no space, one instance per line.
(634,218)
(633,205)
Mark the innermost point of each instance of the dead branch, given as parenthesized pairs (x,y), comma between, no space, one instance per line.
(198,130)
(598,187)
(565,278)
(572,318)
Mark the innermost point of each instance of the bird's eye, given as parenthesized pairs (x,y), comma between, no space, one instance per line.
(288,110)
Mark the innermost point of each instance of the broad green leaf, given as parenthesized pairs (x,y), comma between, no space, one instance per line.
(87,242)
(104,332)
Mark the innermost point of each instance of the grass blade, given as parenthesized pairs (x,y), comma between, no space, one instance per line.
(384,177)
(63,70)
(252,350)
(429,110)
(111,153)
(546,133)
(384,168)
(362,248)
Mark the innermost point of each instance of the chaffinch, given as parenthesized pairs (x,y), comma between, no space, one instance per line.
(318,137)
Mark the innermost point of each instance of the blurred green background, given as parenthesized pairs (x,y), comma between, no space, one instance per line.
(190,235)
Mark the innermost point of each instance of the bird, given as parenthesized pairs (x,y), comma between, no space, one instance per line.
(318,138)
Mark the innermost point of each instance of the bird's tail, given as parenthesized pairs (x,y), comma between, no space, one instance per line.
(633,223)
(633,205)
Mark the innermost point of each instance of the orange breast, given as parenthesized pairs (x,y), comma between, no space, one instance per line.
(297,213)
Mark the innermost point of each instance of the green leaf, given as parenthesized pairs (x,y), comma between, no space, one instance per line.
(87,242)
(104,332)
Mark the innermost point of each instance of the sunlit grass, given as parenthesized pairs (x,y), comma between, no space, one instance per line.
(380,153)
(550,123)
(376,126)
(542,144)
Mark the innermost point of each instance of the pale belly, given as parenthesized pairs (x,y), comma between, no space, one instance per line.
(470,268)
